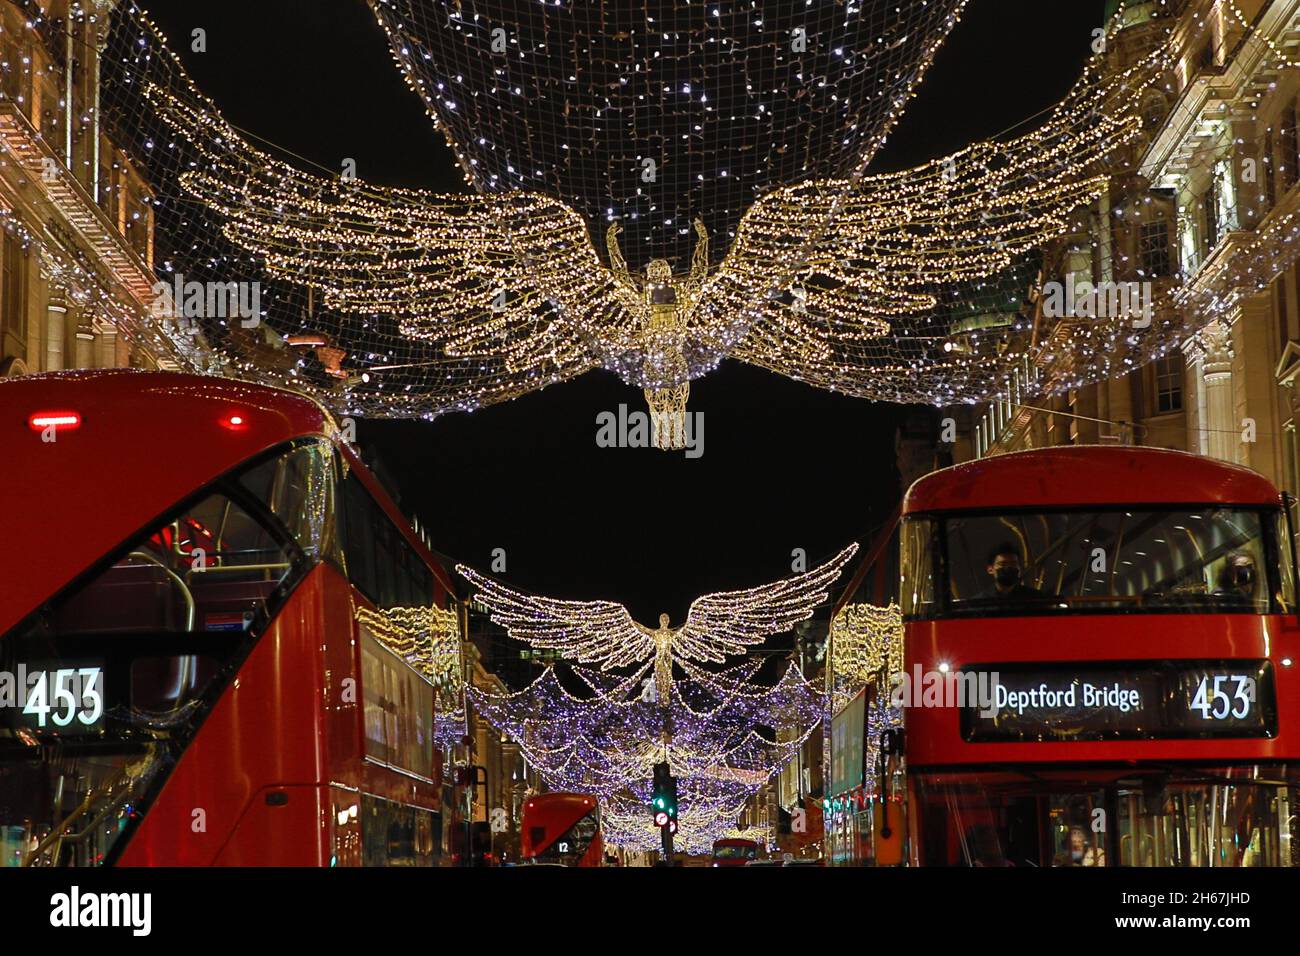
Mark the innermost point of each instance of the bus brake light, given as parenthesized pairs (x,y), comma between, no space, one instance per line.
(59,421)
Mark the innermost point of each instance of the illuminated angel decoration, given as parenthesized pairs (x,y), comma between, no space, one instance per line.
(603,632)
(752,233)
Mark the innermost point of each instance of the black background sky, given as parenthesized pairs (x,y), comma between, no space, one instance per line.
(784,466)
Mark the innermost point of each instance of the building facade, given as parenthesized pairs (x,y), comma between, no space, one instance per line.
(77,240)
(1217,168)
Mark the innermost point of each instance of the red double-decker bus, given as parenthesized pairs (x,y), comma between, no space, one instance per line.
(561,828)
(196,666)
(1099,659)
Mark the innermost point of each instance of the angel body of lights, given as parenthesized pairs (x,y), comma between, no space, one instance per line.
(666,310)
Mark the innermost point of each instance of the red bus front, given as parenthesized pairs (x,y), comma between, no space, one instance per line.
(186,672)
(1099,664)
(561,828)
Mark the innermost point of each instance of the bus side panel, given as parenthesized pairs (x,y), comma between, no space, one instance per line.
(282,826)
(266,731)
(343,719)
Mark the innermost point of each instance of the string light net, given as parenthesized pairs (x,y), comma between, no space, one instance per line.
(866,641)
(865,647)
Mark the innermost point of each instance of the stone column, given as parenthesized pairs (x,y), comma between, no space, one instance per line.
(85,338)
(1222,433)
(56,321)
(107,357)
(1255,395)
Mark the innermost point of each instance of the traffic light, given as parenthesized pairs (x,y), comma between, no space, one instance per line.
(663,800)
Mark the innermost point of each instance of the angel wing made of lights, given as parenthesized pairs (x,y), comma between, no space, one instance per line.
(474,273)
(603,632)
(834,268)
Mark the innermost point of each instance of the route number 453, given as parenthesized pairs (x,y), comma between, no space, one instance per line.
(62,695)
(1215,704)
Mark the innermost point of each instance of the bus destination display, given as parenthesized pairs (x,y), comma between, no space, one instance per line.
(1123,701)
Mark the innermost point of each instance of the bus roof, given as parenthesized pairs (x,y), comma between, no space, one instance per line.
(1088,475)
(143,442)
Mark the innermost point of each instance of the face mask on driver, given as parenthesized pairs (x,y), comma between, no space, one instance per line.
(1008,575)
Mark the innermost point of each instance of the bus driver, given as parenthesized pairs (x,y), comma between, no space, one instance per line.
(1005,569)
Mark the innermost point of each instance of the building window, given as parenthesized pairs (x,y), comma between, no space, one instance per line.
(1289,158)
(1205,57)
(13,289)
(1169,384)
(1211,208)
(1154,249)
(1225,196)
(1190,249)
(1154,111)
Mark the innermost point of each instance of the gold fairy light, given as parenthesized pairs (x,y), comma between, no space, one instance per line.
(427,638)
(866,641)
(916,285)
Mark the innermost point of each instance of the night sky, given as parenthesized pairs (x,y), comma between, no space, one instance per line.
(784,466)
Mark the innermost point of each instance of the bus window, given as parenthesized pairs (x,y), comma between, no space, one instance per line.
(1285,562)
(1186,816)
(1206,560)
(298,487)
(380,562)
(399,707)
(917,568)
(394,834)
(734,851)
(571,845)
